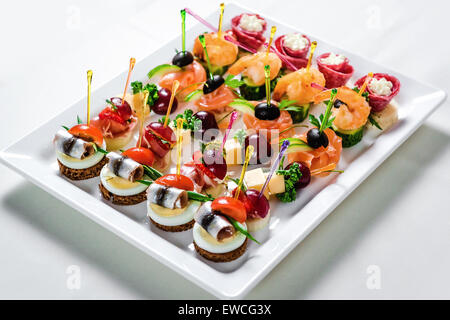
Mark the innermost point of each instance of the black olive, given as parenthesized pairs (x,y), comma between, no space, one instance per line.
(267,112)
(182,59)
(338,103)
(213,83)
(316,139)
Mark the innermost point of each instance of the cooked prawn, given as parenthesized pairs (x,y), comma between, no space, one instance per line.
(297,86)
(252,66)
(188,77)
(321,159)
(220,51)
(272,129)
(350,115)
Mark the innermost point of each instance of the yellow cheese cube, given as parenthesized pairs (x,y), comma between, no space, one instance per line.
(254,179)
(233,150)
(276,184)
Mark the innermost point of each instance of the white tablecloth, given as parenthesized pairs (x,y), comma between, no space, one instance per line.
(389,239)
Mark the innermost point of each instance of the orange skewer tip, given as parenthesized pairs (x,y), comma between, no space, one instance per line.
(175,86)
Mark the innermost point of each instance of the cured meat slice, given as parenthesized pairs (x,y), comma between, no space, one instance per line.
(335,75)
(377,102)
(252,39)
(297,58)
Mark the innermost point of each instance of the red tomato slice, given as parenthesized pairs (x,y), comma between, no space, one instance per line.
(142,155)
(231,207)
(88,133)
(176,181)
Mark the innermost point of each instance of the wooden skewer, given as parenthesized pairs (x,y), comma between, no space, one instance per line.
(175,86)
(222,8)
(248,155)
(130,68)
(89,81)
(366,83)
(311,54)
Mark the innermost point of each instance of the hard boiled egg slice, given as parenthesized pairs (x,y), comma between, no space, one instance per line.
(172,217)
(205,241)
(74,163)
(118,185)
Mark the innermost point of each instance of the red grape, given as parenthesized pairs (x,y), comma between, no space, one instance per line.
(306,175)
(162,104)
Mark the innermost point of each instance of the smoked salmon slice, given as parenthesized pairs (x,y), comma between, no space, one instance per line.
(321,159)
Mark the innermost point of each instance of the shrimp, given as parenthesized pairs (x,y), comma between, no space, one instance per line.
(220,51)
(352,113)
(252,66)
(297,86)
(272,129)
(190,78)
(321,159)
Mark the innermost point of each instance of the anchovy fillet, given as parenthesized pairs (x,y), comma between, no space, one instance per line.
(216,225)
(124,167)
(167,197)
(72,146)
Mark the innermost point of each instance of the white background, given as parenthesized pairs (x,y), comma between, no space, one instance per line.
(397,220)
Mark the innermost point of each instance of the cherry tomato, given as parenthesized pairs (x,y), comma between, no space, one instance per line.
(231,207)
(176,181)
(142,155)
(88,133)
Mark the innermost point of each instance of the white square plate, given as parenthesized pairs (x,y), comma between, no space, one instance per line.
(33,157)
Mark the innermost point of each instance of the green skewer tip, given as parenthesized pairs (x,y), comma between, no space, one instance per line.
(203,42)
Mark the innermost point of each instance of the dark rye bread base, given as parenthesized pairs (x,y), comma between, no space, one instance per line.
(82,174)
(122,200)
(222,257)
(180,228)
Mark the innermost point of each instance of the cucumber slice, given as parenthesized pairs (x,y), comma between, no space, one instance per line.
(243,106)
(350,137)
(194,95)
(297,145)
(250,91)
(162,69)
(215,70)
(298,148)
(298,113)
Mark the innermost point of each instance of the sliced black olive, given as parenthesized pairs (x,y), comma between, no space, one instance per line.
(338,103)
(213,83)
(316,139)
(182,59)
(263,111)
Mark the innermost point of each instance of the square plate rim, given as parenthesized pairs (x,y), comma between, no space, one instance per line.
(231,290)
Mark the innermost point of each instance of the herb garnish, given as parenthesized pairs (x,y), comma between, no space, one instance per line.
(289,105)
(152,172)
(113,106)
(318,122)
(291,177)
(67,128)
(240,136)
(190,122)
(151,88)
(374,122)
(365,94)
(238,227)
(324,120)
(79,120)
(98,149)
(232,82)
